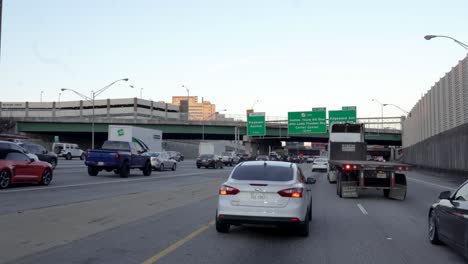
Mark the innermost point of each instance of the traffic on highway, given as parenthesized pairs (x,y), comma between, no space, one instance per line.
(168,132)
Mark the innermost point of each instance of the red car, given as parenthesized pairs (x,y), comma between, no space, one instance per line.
(17,167)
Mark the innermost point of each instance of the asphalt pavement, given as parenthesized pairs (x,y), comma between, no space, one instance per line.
(168,218)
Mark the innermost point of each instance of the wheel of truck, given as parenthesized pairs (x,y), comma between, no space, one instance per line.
(125,170)
(433,229)
(161,168)
(147,169)
(69,156)
(174,167)
(117,171)
(222,227)
(92,171)
(82,157)
(216,165)
(386,193)
(198,166)
(221,166)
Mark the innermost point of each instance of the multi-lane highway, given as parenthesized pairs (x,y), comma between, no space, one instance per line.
(168,218)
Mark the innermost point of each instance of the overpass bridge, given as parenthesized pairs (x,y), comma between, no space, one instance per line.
(378,131)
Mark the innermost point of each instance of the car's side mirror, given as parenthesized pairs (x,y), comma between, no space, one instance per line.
(445,195)
(311,180)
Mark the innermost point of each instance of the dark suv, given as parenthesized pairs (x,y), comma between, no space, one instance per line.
(41,153)
(209,161)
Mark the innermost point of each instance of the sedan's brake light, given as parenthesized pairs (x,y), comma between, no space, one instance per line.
(292,192)
(228,190)
(117,156)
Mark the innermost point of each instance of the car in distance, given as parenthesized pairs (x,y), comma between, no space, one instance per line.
(41,153)
(209,161)
(68,151)
(17,167)
(175,155)
(161,161)
(120,157)
(262,157)
(229,158)
(265,193)
(448,220)
(15,146)
(320,164)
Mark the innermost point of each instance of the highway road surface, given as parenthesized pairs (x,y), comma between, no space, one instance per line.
(168,217)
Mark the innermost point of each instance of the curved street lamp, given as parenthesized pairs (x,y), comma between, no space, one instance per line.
(429,37)
(92,99)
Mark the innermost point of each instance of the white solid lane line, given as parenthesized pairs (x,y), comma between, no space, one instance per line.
(102,182)
(430,183)
(363,210)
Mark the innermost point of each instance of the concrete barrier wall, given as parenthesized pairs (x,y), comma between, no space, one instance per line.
(445,151)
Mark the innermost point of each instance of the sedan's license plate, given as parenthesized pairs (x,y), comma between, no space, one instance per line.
(258,196)
(100,163)
(381,175)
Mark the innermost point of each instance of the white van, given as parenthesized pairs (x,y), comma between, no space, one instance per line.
(68,151)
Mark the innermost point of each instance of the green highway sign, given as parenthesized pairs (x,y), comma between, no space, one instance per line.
(341,116)
(307,122)
(319,109)
(256,125)
(348,108)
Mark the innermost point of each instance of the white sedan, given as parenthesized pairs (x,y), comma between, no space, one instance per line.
(265,193)
(320,164)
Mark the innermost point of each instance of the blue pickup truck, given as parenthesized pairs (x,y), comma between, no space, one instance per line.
(120,157)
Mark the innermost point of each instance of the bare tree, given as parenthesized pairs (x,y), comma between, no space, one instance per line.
(6,124)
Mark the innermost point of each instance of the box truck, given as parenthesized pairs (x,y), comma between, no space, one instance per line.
(151,138)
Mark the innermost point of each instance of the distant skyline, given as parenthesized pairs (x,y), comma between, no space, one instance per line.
(289,55)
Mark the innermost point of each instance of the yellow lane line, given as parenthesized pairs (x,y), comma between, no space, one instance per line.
(178,244)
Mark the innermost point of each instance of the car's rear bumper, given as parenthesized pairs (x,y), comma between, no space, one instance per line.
(258,220)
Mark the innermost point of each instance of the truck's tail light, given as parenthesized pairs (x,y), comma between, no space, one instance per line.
(407,168)
(117,156)
(400,168)
(228,190)
(354,167)
(347,167)
(291,192)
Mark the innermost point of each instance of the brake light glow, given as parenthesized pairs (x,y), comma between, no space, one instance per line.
(354,167)
(117,156)
(228,190)
(347,167)
(294,219)
(292,192)
(400,168)
(407,168)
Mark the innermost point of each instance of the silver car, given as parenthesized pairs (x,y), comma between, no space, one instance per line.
(162,161)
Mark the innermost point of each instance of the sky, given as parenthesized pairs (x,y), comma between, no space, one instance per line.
(290,55)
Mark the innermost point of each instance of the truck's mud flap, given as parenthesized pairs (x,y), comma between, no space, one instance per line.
(399,190)
(398,193)
(349,190)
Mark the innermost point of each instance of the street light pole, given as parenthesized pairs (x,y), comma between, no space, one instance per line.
(381,108)
(94,94)
(429,37)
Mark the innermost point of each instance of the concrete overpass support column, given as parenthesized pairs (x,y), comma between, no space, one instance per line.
(152,109)
(54,109)
(26,109)
(108,108)
(165,112)
(135,109)
(81,108)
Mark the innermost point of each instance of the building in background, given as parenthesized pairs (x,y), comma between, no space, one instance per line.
(203,110)
(125,108)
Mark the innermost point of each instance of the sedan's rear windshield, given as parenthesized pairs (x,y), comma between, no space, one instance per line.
(263,173)
(206,156)
(115,145)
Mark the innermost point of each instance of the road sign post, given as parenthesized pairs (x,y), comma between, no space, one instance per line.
(307,122)
(256,125)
